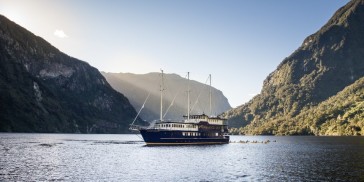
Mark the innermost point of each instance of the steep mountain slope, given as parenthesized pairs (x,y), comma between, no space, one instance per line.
(342,114)
(326,62)
(136,88)
(45,90)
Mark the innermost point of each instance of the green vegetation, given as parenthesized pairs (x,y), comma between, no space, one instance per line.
(342,114)
(318,89)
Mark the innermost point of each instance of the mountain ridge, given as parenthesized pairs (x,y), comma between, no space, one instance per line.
(139,85)
(326,62)
(45,90)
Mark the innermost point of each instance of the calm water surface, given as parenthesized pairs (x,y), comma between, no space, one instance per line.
(80,157)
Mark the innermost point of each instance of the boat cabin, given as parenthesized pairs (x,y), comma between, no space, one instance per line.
(204,118)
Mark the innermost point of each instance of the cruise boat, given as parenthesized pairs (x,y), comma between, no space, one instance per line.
(195,129)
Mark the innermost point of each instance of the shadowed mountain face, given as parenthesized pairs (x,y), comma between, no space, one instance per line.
(136,88)
(327,62)
(45,90)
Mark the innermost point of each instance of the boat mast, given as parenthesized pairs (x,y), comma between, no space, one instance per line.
(210,96)
(188,96)
(161,90)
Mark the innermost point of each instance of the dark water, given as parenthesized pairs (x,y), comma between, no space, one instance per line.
(73,157)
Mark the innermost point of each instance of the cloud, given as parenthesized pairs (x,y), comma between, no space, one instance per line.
(60,34)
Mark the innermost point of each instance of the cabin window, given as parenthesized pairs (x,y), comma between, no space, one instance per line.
(217,134)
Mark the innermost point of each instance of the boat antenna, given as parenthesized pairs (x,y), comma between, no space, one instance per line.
(188,96)
(174,98)
(170,105)
(210,96)
(199,94)
(161,90)
(136,117)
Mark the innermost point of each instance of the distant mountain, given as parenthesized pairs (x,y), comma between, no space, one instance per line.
(137,86)
(300,88)
(45,90)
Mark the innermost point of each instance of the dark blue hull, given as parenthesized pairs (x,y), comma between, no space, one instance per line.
(166,137)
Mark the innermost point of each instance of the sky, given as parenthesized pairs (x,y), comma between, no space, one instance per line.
(239,42)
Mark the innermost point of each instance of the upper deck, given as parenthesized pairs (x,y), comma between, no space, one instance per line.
(204,118)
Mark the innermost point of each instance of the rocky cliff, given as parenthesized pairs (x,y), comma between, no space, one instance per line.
(45,90)
(137,86)
(326,62)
